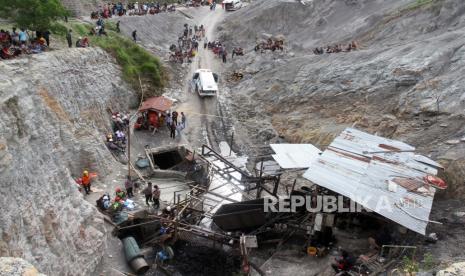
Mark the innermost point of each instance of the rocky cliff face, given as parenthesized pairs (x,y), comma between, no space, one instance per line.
(82,7)
(405,81)
(53,115)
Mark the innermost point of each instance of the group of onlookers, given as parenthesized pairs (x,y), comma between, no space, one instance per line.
(338,48)
(136,8)
(20,42)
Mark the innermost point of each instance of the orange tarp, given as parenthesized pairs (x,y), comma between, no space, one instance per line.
(160,104)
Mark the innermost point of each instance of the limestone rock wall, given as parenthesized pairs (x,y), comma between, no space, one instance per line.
(53,114)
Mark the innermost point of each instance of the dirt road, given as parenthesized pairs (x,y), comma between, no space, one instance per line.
(202,112)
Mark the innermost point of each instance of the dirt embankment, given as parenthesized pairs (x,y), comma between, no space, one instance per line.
(53,116)
(404,82)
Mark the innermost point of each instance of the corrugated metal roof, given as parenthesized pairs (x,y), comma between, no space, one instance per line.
(362,166)
(295,156)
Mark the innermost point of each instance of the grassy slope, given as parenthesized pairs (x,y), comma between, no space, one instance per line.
(135,61)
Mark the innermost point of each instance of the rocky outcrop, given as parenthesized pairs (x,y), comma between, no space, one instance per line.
(17,266)
(82,7)
(404,82)
(54,111)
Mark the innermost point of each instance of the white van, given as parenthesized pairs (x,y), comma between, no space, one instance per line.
(205,82)
(232,5)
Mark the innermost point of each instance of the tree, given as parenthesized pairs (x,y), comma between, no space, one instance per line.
(35,15)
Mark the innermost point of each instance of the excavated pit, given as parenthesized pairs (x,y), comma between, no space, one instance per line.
(168,159)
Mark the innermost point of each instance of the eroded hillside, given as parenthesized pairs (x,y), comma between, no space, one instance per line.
(405,81)
(53,113)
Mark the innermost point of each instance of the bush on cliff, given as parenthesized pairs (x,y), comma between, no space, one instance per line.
(36,15)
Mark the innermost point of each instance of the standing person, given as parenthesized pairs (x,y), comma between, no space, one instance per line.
(117,26)
(156,197)
(179,128)
(173,130)
(86,182)
(129,185)
(168,121)
(134,35)
(224,54)
(183,120)
(148,193)
(23,37)
(46,35)
(175,117)
(69,38)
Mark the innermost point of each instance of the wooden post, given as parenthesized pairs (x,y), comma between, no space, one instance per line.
(129,149)
(293,185)
(231,144)
(260,181)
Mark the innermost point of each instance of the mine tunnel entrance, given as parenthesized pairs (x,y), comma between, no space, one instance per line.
(168,159)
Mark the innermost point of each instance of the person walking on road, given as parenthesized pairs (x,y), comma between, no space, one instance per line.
(134,35)
(148,193)
(117,26)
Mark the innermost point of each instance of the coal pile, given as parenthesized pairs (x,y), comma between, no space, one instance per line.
(202,260)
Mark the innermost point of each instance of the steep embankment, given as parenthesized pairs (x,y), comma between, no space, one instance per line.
(53,113)
(82,7)
(405,82)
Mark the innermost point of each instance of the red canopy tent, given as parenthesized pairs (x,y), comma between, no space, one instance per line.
(155,109)
(160,104)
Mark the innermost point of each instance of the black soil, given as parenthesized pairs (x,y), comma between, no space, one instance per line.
(201,260)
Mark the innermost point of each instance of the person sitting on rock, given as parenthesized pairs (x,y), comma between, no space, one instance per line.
(104,202)
(120,137)
(354,45)
(5,54)
(120,193)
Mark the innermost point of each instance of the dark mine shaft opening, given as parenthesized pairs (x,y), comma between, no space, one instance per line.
(168,159)
(190,259)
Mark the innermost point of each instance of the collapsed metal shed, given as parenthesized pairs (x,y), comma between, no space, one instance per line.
(383,175)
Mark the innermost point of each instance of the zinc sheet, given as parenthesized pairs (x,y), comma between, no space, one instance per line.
(360,166)
(295,156)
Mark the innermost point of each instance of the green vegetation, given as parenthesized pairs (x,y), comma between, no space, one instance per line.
(135,61)
(36,15)
(410,266)
(428,261)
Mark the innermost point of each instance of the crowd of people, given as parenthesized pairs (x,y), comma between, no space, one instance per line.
(338,48)
(155,121)
(143,8)
(116,140)
(272,44)
(23,42)
(218,49)
(123,198)
(188,44)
